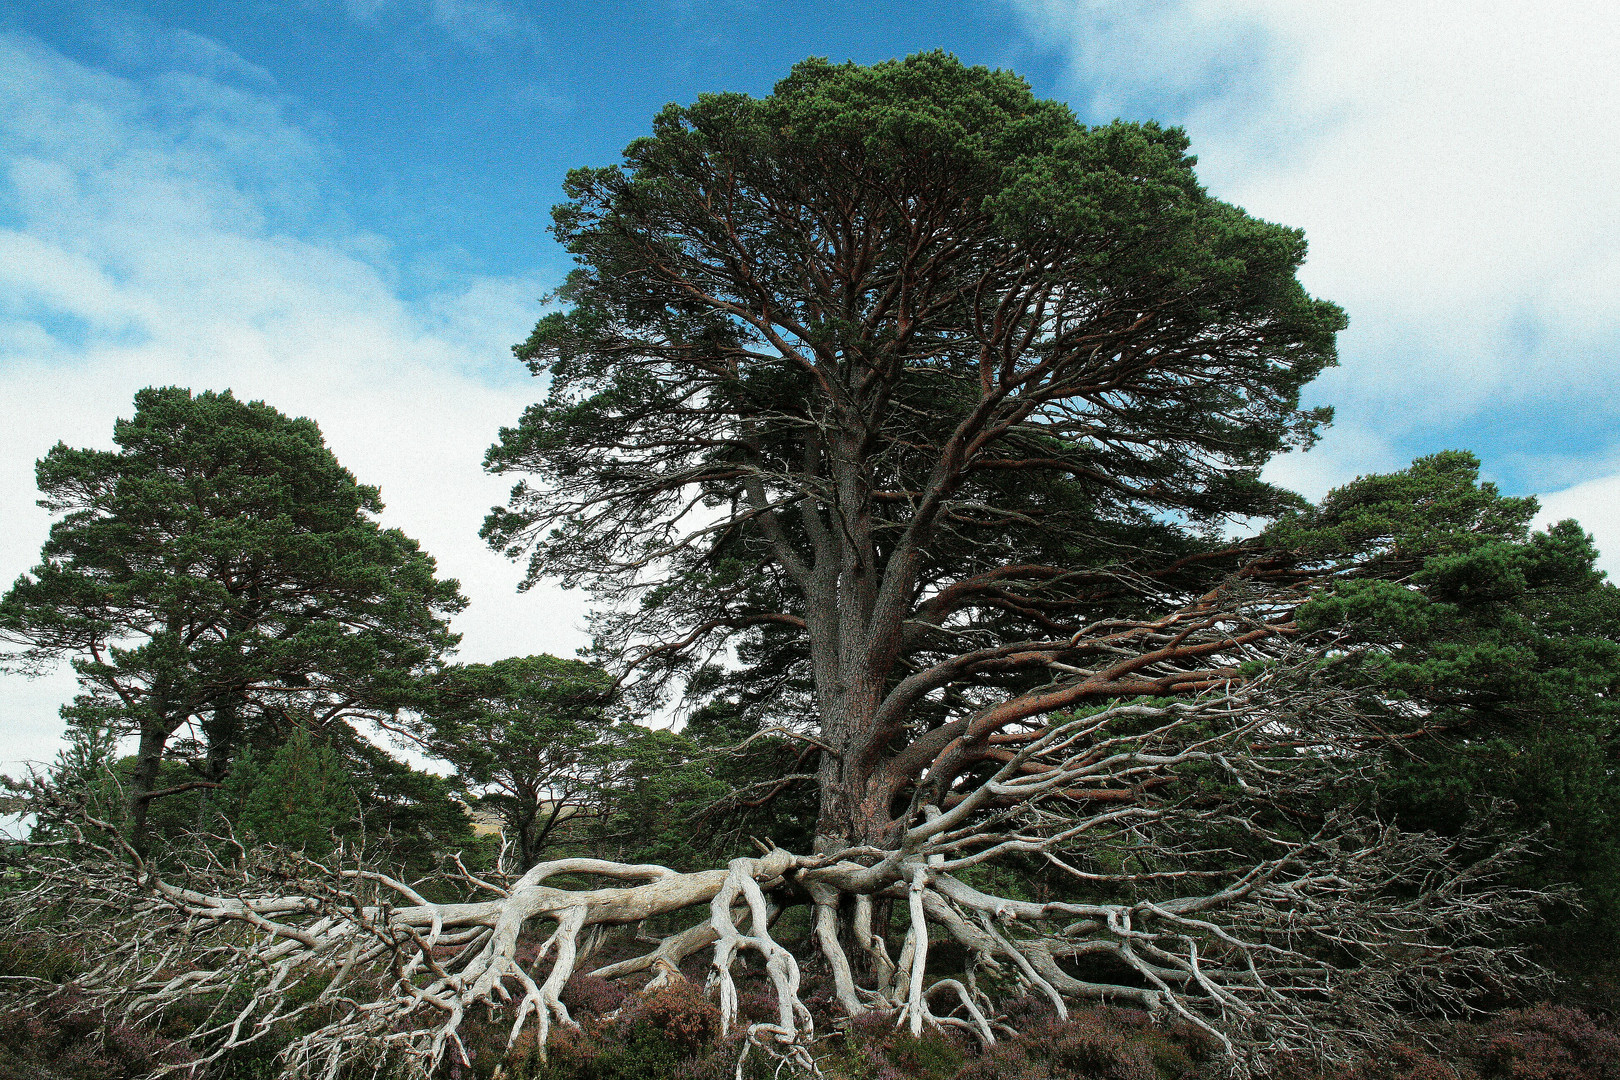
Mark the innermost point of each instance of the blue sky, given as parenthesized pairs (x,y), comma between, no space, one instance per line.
(447,127)
(340,206)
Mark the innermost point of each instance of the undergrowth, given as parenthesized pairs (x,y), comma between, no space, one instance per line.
(674,1034)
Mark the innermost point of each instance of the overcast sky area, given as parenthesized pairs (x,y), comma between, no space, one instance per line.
(340,207)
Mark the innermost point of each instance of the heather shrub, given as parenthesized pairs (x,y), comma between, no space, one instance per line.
(570,1055)
(720,1063)
(679,1014)
(653,1037)
(1096,1044)
(928,1055)
(1027,1010)
(757,1004)
(1549,1042)
(873,1049)
(64,1041)
(587,995)
(1398,1062)
(37,956)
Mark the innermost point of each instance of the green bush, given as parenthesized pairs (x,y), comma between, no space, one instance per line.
(38,956)
(874,1049)
(297,798)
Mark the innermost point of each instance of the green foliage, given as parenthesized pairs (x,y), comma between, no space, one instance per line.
(361,794)
(1437,506)
(37,955)
(220,568)
(792,301)
(58,1042)
(874,1049)
(672,1032)
(656,812)
(536,737)
(545,743)
(1544,1042)
(683,799)
(104,784)
(1502,643)
(1097,1043)
(289,788)
(409,817)
(297,799)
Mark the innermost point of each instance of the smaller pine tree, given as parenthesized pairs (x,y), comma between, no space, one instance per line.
(84,765)
(297,799)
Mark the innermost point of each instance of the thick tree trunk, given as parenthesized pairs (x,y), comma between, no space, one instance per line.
(849,814)
(846,816)
(524,828)
(220,730)
(149,758)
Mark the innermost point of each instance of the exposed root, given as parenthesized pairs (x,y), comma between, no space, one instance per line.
(794,1024)
(914,957)
(826,928)
(877,953)
(1258,935)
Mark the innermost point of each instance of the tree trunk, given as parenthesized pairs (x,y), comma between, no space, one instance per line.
(220,730)
(148,760)
(848,814)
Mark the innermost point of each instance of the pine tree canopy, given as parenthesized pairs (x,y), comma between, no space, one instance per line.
(220,567)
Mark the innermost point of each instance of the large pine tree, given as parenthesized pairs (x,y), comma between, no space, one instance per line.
(888,374)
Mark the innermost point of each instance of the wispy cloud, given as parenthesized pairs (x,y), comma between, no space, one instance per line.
(474,23)
(1596,505)
(1139,57)
(172,229)
(1452,166)
(1444,158)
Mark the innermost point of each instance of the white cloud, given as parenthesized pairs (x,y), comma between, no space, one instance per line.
(1346,451)
(146,240)
(1170,54)
(207,57)
(1452,164)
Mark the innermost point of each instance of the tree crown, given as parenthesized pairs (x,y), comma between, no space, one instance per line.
(222,554)
(897,361)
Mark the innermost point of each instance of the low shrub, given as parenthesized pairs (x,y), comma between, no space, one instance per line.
(874,1049)
(678,1014)
(669,1031)
(64,1040)
(1093,1044)
(588,995)
(38,956)
(1398,1062)
(1548,1042)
